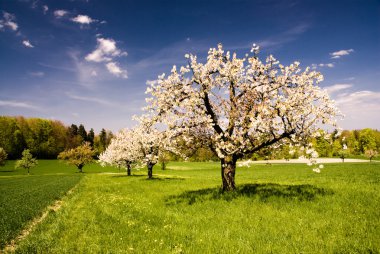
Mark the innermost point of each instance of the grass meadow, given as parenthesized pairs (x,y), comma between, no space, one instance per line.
(278,208)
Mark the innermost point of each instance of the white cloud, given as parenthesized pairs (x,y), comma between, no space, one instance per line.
(36,73)
(12,25)
(361,108)
(94,73)
(105,51)
(45,8)
(27,44)
(343,52)
(116,70)
(8,21)
(16,104)
(83,19)
(60,13)
(330,65)
(315,66)
(359,98)
(337,87)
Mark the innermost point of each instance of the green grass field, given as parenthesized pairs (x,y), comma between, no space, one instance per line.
(278,209)
(24,197)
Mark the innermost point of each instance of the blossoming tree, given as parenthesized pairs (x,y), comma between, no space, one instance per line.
(151,143)
(142,144)
(122,151)
(238,106)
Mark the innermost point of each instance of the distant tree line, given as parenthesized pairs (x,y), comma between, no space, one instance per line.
(46,138)
(349,143)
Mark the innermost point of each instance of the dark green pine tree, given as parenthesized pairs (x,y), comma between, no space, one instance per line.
(73,130)
(91,137)
(82,132)
(103,139)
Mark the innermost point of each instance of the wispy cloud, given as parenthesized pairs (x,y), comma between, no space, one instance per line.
(60,13)
(90,99)
(38,74)
(283,38)
(88,74)
(9,21)
(337,87)
(45,8)
(330,65)
(27,44)
(340,53)
(17,104)
(359,107)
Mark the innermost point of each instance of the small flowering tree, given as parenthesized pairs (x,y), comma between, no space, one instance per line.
(370,154)
(79,156)
(151,143)
(237,106)
(142,144)
(122,151)
(27,161)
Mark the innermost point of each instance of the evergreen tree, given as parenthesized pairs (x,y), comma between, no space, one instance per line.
(82,132)
(91,136)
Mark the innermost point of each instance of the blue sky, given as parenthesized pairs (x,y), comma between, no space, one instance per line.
(88,61)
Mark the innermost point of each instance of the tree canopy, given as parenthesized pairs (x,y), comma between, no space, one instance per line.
(27,161)
(79,156)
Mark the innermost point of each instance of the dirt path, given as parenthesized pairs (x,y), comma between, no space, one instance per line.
(11,247)
(320,160)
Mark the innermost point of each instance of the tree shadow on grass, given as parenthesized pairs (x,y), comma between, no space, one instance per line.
(164,178)
(263,192)
(127,176)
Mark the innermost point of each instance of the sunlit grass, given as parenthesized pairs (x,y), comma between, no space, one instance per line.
(278,209)
(24,197)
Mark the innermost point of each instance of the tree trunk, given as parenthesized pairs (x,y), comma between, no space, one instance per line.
(150,170)
(228,173)
(128,169)
(80,168)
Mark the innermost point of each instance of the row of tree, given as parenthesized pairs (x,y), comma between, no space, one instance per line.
(233,107)
(44,138)
(347,143)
